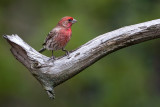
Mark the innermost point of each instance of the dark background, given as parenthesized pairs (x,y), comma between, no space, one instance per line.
(129,77)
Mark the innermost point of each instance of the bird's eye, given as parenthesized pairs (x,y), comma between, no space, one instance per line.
(69,20)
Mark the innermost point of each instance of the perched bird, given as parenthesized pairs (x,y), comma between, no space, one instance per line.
(59,36)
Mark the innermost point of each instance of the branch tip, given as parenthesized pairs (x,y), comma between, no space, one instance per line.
(51,94)
(5,36)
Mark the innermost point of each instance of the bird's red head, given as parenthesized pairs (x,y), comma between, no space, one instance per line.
(67,21)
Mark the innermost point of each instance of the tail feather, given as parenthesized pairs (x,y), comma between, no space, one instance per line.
(41,50)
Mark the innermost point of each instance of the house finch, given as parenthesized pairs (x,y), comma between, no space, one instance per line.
(59,36)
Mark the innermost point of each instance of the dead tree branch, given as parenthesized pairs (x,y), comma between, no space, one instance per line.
(52,73)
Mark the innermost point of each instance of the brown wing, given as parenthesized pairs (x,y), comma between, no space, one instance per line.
(49,36)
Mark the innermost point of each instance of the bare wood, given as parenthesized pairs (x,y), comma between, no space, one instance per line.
(52,73)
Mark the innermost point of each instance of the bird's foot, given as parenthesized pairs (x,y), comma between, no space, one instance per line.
(52,58)
(67,53)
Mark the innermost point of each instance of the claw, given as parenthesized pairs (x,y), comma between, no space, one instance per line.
(67,52)
(52,58)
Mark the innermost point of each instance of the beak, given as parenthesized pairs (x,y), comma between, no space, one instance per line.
(74,21)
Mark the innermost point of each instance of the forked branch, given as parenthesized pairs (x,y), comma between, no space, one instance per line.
(52,73)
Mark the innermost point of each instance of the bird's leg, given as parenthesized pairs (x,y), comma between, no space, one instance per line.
(67,52)
(52,57)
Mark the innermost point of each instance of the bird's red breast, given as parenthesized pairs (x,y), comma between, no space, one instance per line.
(63,37)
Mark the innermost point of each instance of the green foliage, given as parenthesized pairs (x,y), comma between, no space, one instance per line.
(126,78)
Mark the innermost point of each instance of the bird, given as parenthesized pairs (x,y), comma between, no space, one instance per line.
(59,36)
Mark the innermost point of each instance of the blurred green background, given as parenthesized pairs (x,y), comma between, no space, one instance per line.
(129,77)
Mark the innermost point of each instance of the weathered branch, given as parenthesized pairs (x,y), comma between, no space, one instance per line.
(52,73)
